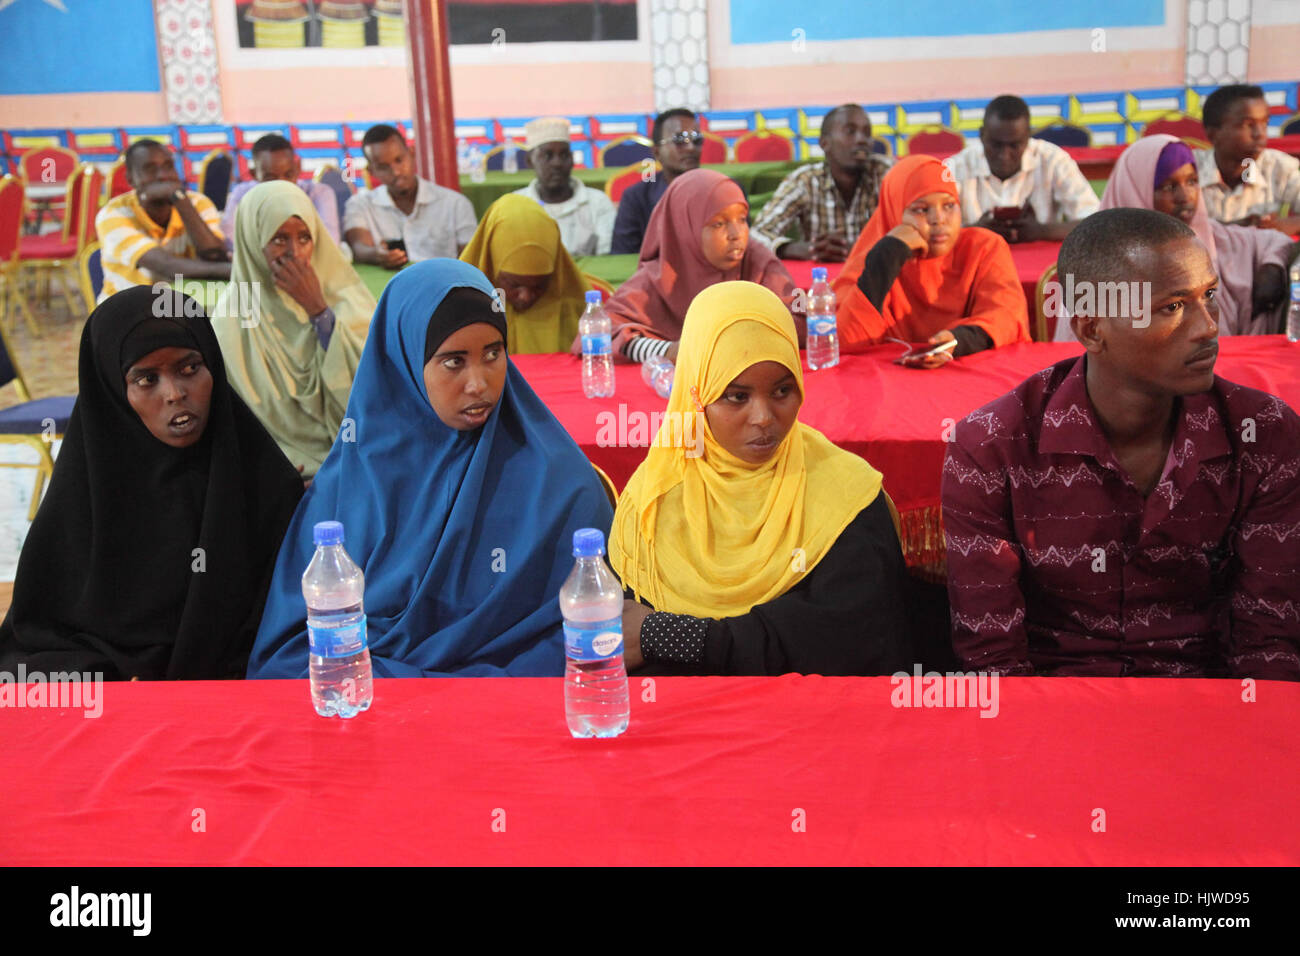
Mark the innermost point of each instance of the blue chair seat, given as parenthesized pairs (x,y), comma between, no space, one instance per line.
(29,418)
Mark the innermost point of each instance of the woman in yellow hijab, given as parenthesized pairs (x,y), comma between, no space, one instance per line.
(292,322)
(759,546)
(517,246)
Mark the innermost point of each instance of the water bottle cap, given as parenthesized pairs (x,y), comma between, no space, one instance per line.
(327,532)
(588,542)
(819,273)
(593,295)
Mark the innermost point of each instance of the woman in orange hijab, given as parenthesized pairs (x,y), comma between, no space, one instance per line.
(915,274)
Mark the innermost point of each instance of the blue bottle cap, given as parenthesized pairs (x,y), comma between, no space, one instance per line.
(327,532)
(588,542)
(819,272)
(593,295)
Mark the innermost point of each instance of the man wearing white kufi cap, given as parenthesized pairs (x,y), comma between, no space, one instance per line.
(585,216)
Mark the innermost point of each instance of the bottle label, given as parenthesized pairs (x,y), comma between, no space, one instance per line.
(1295,293)
(597,345)
(337,641)
(821,325)
(594,640)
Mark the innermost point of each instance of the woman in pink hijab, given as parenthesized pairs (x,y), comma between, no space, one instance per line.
(1159,172)
(698,235)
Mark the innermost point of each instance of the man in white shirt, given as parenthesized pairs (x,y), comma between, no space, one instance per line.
(1022,188)
(405,218)
(585,215)
(1244,183)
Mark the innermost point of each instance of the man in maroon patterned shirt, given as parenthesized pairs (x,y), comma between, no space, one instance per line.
(1128,512)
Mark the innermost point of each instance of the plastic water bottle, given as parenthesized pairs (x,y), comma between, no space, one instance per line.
(595,680)
(823,336)
(657,372)
(597,349)
(1293,314)
(477,168)
(338,659)
(511,160)
(462,157)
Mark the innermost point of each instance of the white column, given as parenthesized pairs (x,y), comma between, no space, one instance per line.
(187,53)
(679,49)
(1218,41)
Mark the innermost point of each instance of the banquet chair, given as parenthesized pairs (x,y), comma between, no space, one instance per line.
(54,252)
(1061,133)
(11,228)
(713,150)
(216,173)
(90,269)
(619,183)
(881,146)
(116,182)
(1290,126)
(764,146)
(329,175)
(49,166)
(608,484)
(626,150)
(35,424)
(936,141)
(1183,125)
(1044,330)
(494,160)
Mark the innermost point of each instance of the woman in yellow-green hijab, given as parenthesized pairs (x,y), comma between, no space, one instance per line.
(517,246)
(760,547)
(292,323)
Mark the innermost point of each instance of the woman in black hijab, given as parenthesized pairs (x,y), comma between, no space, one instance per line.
(151,553)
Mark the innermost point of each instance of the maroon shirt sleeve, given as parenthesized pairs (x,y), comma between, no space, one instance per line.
(988,608)
(1265,637)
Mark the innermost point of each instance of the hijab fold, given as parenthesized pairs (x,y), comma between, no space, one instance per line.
(517,235)
(672,268)
(146,560)
(712,535)
(976,283)
(296,388)
(464,536)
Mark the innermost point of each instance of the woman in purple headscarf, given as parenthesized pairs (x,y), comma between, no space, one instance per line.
(1159,172)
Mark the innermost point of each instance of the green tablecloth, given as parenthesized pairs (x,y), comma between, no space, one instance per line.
(753,177)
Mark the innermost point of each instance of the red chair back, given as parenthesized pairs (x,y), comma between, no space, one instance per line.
(619,183)
(1182,125)
(92,196)
(74,211)
(713,149)
(936,141)
(764,147)
(48,165)
(117,181)
(11,217)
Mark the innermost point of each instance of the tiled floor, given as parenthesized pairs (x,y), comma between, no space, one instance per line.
(49,366)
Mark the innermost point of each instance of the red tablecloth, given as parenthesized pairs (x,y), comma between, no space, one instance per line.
(1031,259)
(714,771)
(894,417)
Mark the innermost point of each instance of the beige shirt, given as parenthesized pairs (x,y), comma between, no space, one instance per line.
(1048,179)
(440,224)
(1274,183)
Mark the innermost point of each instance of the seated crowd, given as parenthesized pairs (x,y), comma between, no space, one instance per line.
(1125,512)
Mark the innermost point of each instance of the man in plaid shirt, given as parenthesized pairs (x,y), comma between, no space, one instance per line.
(831,201)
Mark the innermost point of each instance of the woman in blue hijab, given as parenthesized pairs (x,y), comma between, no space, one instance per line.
(458,490)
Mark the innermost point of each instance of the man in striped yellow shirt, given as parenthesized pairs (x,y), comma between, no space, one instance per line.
(158,230)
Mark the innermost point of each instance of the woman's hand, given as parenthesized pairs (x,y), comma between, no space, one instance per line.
(300,281)
(917,241)
(938,358)
(634,613)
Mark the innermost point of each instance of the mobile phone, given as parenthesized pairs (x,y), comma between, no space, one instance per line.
(1007,212)
(395,244)
(920,350)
